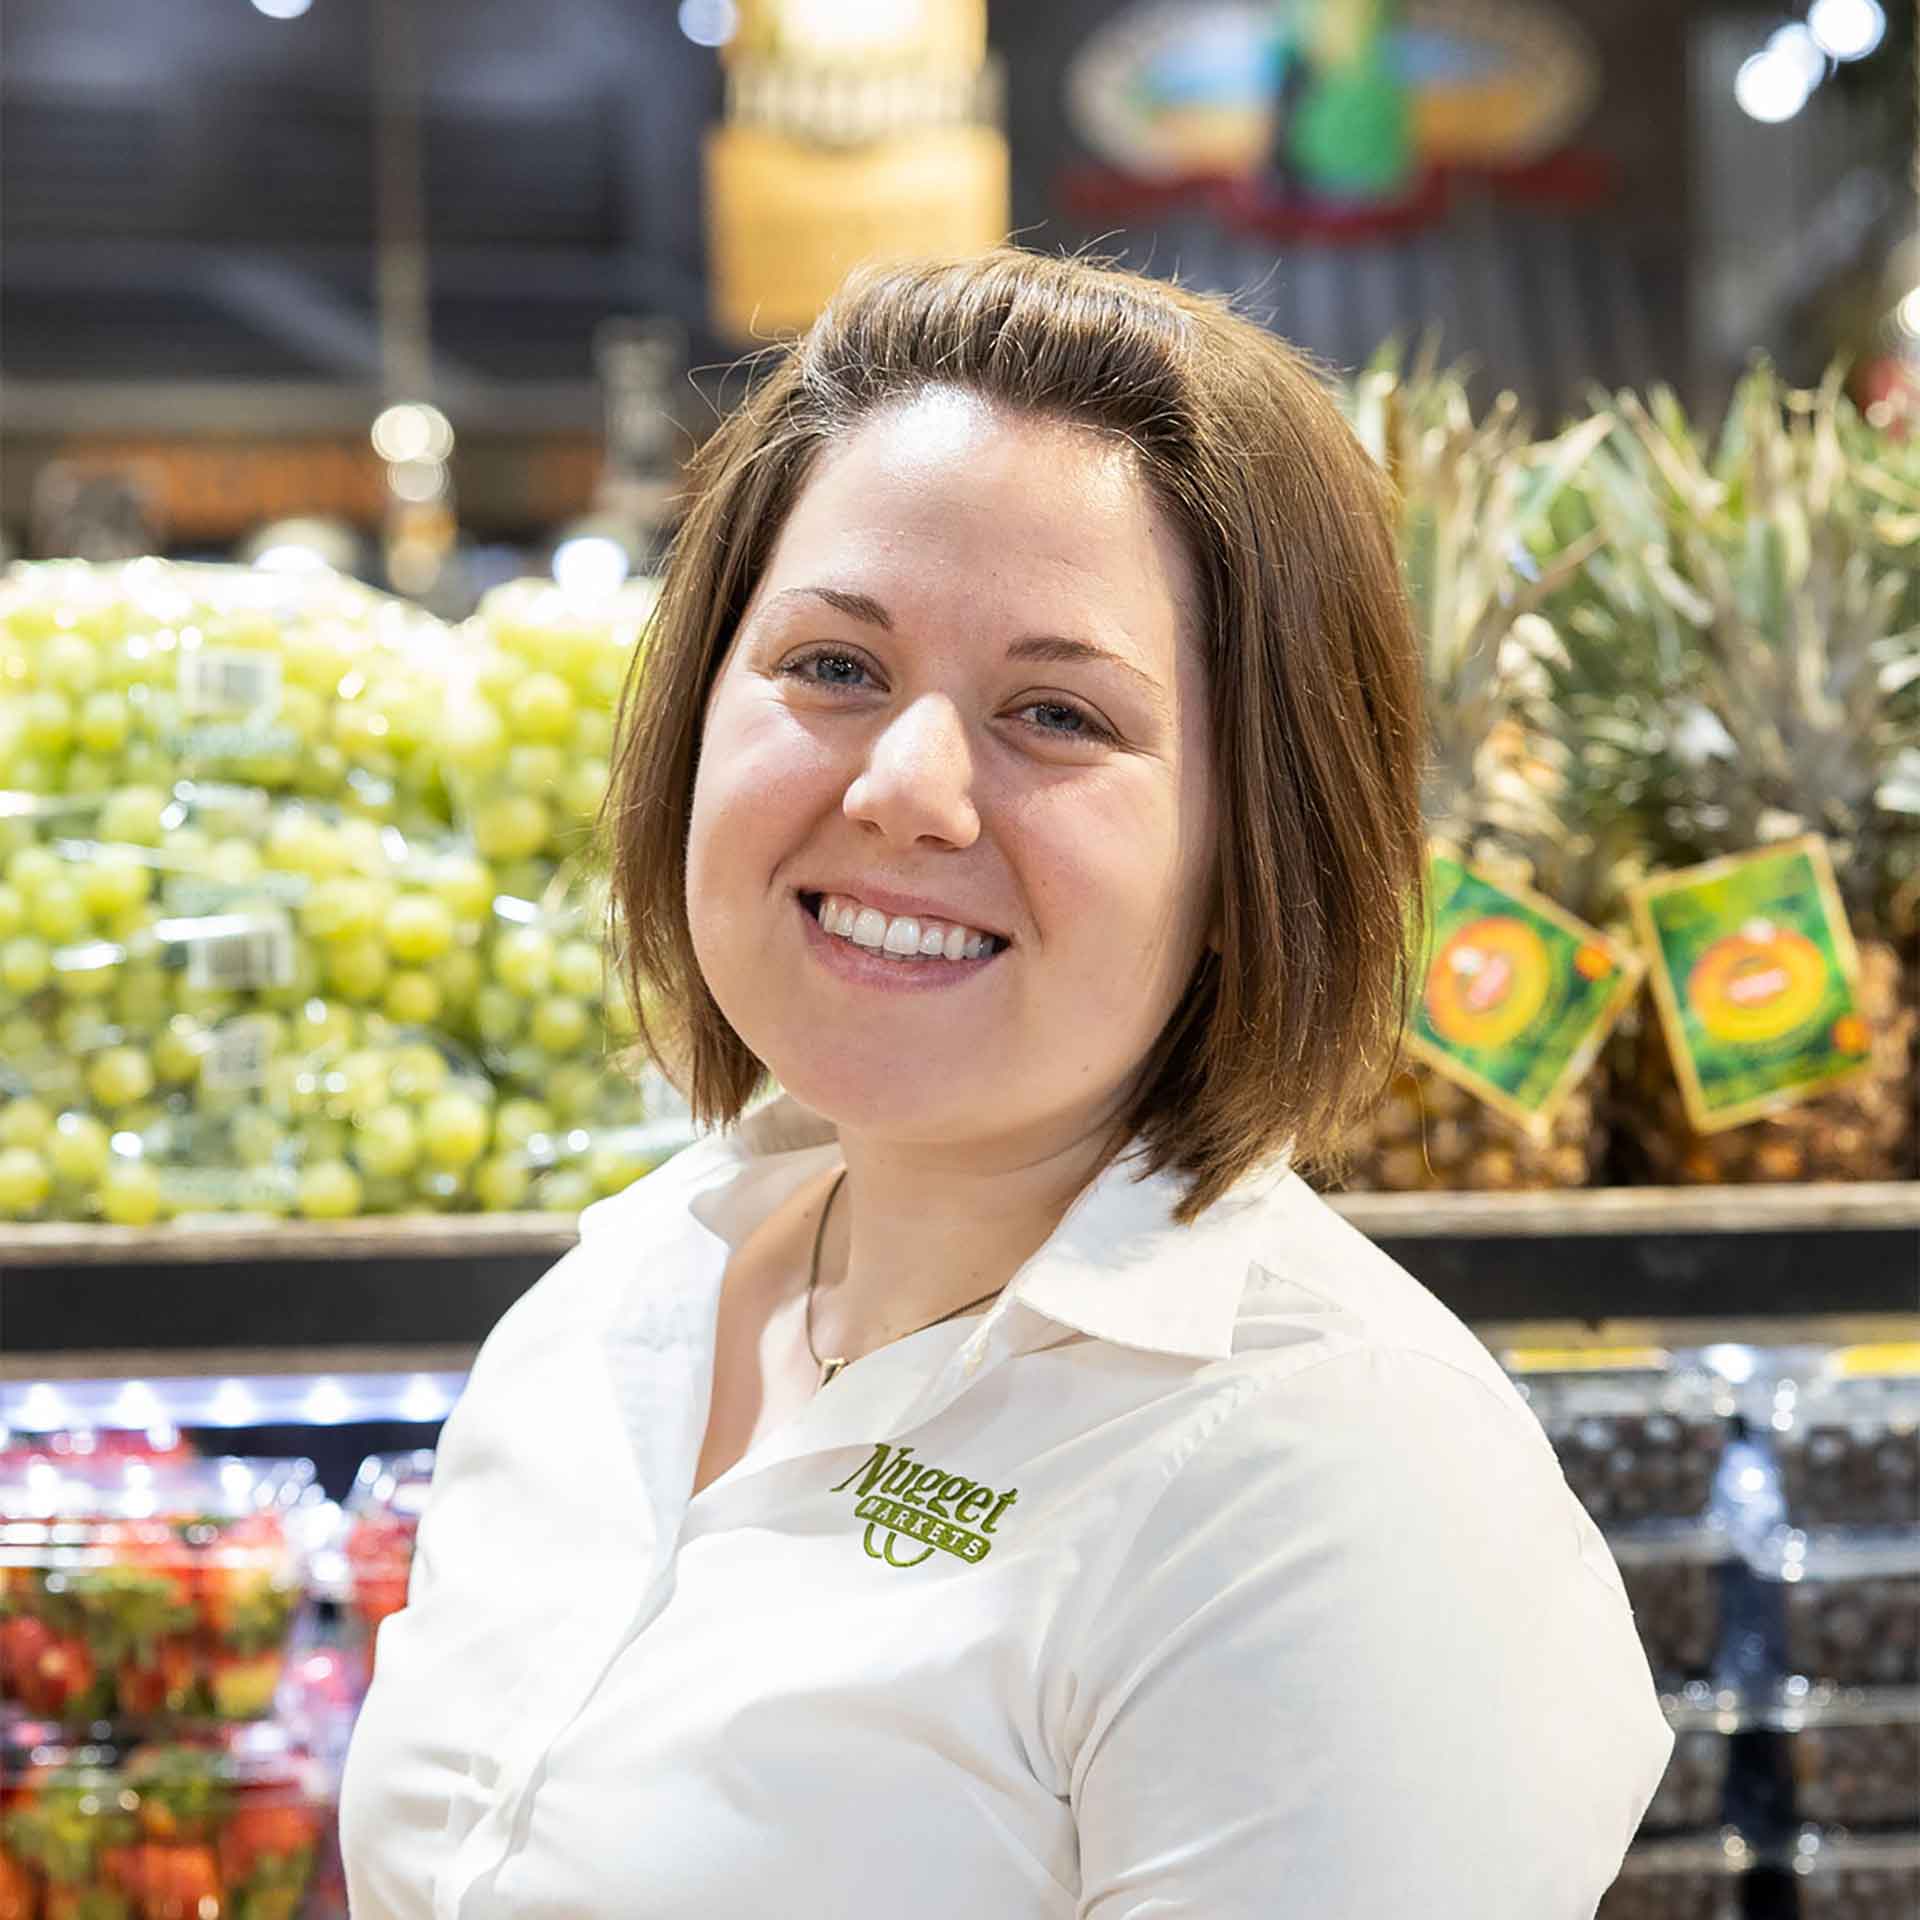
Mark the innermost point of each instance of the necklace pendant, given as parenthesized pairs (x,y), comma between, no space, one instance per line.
(828,1368)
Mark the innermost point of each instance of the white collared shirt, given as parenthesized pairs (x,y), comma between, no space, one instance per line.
(1216,1570)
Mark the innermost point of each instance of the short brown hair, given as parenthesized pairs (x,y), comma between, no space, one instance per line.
(1288,1034)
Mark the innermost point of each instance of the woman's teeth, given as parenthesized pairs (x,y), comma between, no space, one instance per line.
(902,937)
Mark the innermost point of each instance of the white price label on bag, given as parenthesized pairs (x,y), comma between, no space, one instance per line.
(237,1054)
(229,680)
(235,952)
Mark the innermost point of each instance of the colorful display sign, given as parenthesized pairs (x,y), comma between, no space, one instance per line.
(1753,969)
(1517,996)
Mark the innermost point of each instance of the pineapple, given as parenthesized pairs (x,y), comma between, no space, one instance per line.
(1757,590)
(1475,499)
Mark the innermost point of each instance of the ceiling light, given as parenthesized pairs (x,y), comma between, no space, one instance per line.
(1770,87)
(1847,29)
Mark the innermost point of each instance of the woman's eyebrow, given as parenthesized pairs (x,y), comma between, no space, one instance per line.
(1055,648)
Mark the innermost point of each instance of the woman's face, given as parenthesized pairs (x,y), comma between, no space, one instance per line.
(965,694)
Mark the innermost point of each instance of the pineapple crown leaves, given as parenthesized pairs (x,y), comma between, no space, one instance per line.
(1477,535)
(1746,583)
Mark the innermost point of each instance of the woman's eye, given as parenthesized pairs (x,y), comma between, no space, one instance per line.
(1069,723)
(842,667)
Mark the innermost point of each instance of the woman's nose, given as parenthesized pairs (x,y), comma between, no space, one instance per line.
(918,777)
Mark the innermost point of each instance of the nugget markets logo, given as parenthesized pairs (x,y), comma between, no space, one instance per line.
(896,1496)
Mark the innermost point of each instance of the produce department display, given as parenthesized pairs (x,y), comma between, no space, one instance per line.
(297,909)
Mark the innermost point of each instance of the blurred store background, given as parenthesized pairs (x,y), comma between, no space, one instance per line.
(349,354)
(232,232)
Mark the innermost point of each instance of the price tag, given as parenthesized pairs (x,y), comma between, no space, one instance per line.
(1878,1358)
(1753,966)
(1517,997)
(234,952)
(229,680)
(1586,1360)
(237,1053)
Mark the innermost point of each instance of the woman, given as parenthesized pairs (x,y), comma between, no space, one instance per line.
(986,1480)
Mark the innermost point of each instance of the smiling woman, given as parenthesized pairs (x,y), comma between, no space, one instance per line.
(988,1479)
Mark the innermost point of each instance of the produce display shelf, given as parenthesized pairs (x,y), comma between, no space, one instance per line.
(1606,1255)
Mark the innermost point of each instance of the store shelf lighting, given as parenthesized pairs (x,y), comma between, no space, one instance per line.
(709,23)
(282,9)
(1771,86)
(234,1406)
(163,1406)
(137,1408)
(328,1405)
(425,1400)
(1907,314)
(1847,29)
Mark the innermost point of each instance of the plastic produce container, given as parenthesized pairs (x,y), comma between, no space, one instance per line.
(1703,1879)
(217,1829)
(383,1510)
(140,1591)
(1673,1582)
(1844,1425)
(1858,1879)
(1638,1432)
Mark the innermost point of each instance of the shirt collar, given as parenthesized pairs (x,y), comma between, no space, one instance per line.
(1117,1267)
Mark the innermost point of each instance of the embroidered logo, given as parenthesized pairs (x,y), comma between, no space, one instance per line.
(896,1495)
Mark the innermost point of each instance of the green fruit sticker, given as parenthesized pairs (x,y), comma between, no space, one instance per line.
(1517,996)
(1753,968)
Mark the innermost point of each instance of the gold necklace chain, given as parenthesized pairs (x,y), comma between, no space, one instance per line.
(828,1368)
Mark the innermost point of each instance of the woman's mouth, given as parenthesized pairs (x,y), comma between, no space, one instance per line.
(899,938)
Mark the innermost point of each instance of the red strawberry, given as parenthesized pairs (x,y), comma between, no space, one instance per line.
(278,1838)
(178,1883)
(45,1671)
(18,1898)
(380,1551)
(161,1683)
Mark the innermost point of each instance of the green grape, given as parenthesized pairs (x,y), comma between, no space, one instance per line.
(114,882)
(613,1169)
(576,969)
(70,662)
(418,928)
(32,868)
(13,912)
(563,1190)
(328,1190)
(87,773)
(25,1123)
(25,965)
(412,998)
(177,1049)
(497,1013)
(523,961)
(540,708)
(257,1138)
(584,786)
(515,1122)
(358,1082)
(510,826)
(385,1196)
(130,1193)
(48,720)
(325,1138)
(454,1129)
(85,983)
(341,908)
(24,1182)
(119,1077)
(210,1005)
(560,1025)
(104,722)
(304,712)
(321,1026)
(56,912)
(419,1071)
(464,885)
(616,1013)
(142,997)
(386,1142)
(500,1183)
(357,969)
(475,740)
(77,1149)
(134,815)
(573,1089)
(593,733)
(536,769)
(459,975)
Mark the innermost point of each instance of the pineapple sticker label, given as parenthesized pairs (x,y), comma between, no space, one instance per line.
(1753,968)
(1518,996)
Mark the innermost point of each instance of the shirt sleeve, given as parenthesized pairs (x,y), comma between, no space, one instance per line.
(1367,1655)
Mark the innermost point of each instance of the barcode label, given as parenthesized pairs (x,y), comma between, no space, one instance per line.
(229,680)
(238,809)
(253,951)
(237,1054)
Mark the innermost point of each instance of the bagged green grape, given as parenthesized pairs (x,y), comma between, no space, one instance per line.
(529,734)
(143,673)
(544,1166)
